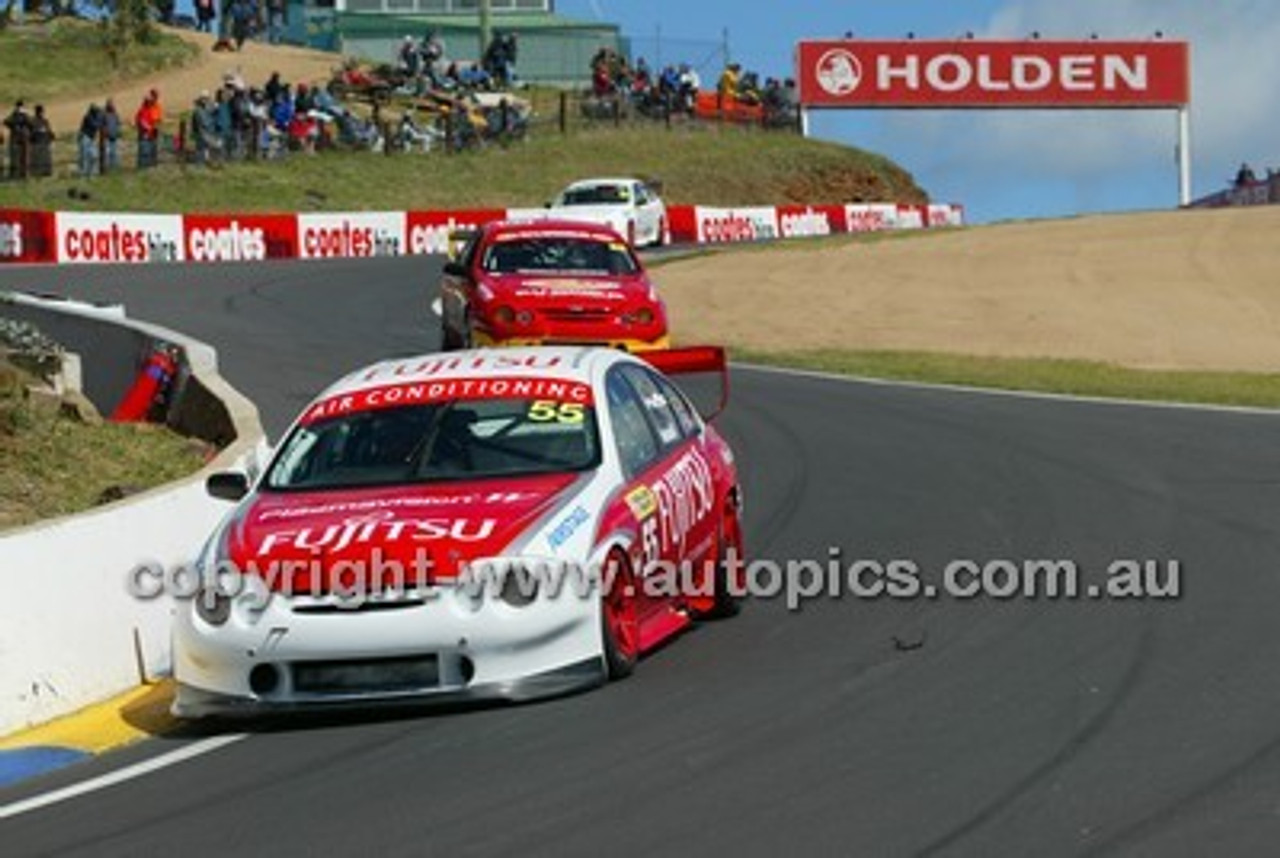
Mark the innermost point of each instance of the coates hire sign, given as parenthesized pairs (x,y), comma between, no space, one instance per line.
(855,73)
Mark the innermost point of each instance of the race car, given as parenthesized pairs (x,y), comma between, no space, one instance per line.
(549,282)
(630,206)
(490,524)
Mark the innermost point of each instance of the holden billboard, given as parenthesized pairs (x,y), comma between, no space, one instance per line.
(971,73)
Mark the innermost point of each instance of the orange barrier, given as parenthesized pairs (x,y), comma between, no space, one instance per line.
(708,105)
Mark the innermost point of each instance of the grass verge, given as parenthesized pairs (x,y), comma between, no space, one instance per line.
(767,168)
(52,464)
(46,61)
(1041,375)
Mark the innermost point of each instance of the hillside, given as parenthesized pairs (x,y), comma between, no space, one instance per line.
(703,163)
(1184,290)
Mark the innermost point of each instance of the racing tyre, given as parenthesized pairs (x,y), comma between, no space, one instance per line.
(448,339)
(620,625)
(725,601)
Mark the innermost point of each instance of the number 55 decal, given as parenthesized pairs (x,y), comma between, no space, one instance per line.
(550,411)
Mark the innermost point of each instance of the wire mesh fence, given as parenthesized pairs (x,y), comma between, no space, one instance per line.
(388,121)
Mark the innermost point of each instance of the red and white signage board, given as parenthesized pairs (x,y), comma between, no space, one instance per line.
(810,221)
(240,238)
(1027,74)
(351,235)
(85,237)
(871,217)
(429,231)
(717,225)
(26,236)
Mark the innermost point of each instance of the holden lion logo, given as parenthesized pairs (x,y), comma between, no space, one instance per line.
(839,72)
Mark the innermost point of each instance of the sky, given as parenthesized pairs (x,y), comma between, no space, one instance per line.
(1011,164)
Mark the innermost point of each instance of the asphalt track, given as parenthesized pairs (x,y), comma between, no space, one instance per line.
(853,727)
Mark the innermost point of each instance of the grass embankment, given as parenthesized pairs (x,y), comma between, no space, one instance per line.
(1043,375)
(48,61)
(52,463)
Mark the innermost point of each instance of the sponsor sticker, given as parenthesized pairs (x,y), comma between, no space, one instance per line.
(642,502)
(562,401)
(568,526)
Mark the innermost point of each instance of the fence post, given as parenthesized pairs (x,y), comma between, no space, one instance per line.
(448,132)
(255,138)
(617,111)
(564,112)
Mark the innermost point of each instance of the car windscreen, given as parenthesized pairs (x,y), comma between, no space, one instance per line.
(443,441)
(579,255)
(592,195)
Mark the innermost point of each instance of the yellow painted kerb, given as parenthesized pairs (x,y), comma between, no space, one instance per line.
(125,719)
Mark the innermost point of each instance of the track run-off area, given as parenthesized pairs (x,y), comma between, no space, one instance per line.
(852,726)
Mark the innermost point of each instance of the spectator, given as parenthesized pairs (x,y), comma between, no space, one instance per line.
(500,59)
(19,125)
(274,87)
(222,124)
(91,130)
(204,129)
(408,57)
(41,144)
(110,136)
(205,13)
(727,88)
(411,132)
(511,49)
(277,19)
(689,84)
(1245,176)
(242,15)
(433,57)
(147,121)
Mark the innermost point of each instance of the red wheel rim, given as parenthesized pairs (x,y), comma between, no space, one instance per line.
(620,609)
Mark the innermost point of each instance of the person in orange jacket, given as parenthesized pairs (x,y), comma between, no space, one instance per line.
(147,120)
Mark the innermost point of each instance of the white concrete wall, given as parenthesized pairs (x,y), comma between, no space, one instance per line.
(70,632)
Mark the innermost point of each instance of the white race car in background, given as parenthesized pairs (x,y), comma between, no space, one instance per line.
(631,207)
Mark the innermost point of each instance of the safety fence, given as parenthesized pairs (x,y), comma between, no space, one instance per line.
(382,119)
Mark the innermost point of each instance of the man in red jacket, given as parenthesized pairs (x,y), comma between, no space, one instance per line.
(147,120)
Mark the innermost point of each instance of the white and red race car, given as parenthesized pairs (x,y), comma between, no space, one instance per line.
(503,524)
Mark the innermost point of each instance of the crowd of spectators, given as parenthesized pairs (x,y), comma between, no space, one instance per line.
(450,103)
(674,90)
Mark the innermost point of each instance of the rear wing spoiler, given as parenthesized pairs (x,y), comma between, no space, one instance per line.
(694,360)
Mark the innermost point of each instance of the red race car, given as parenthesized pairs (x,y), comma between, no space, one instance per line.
(549,282)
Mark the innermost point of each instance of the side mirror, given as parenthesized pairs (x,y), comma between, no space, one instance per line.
(455,269)
(227,485)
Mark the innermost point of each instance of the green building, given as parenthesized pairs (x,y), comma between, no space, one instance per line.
(552,49)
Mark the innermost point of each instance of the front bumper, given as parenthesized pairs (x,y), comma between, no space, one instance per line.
(192,702)
(458,647)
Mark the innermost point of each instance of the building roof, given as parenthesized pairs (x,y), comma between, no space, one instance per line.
(378,23)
